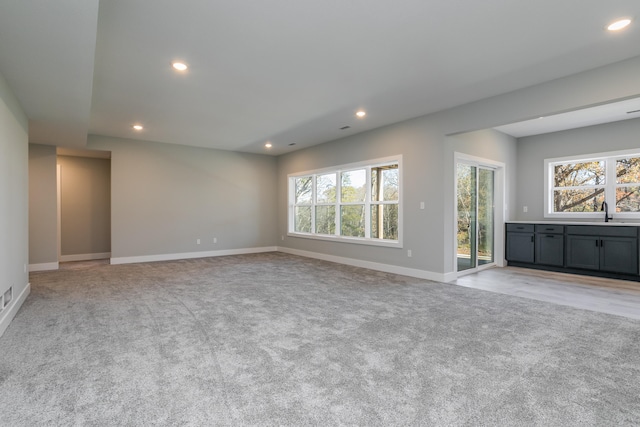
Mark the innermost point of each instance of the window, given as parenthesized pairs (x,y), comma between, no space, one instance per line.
(579,186)
(360,203)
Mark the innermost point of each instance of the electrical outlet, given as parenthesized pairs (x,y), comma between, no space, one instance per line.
(197,241)
(421,205)
(409,253)
(525,209)
(282,238)
(215,240)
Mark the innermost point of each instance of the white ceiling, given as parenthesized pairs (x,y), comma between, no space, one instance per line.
(588,116)
(285,71)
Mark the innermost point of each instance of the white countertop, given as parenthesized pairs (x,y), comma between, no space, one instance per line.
(613,223)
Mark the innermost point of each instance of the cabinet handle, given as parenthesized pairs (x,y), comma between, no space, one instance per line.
(551,235)
(531,239)
(602,243)
(596,243)
(549,229)
(520,228)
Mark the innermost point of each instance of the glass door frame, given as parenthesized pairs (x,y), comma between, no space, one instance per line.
(498,210)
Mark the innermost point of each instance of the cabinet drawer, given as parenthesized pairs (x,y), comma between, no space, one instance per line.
(617,231)
(602,230)
(549,228)
(520,228)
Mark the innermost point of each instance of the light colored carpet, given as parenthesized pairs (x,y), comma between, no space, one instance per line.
(274,339)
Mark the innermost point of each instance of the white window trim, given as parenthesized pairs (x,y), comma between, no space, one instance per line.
(609,157)
(367,164)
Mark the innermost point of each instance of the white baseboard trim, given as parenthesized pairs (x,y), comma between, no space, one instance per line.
(190,255)
(450,277)
(44,266)
(84,257)
(9,312)
(387,268)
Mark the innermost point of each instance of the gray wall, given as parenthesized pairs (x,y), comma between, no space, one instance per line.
(43,217)
(486,144)
(428,143)
(428,171)
(533,150)
(14,194)
(85,205)
(421,172)
(165,196)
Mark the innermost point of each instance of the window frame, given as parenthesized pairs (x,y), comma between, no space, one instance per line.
(367,165)
(609,158)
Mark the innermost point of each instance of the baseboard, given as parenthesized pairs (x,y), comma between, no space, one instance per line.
(190,255)
(449,277)
(84,257)
(44,266)
(387,268)
(11,310)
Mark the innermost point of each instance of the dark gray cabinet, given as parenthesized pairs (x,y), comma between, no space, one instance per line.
(611,249)
(599,250)
(619,255)
(583,252)
(549,244)
(520,245)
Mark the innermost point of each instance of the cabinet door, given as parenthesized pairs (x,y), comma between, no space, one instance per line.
(583,252)
(550,249)
(520,247)
(619,254)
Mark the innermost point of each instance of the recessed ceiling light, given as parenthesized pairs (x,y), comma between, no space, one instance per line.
(361,114)
(138,127)
(268,145)
(619,24)
(180,66)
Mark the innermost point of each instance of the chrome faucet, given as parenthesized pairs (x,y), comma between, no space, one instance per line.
(605,208)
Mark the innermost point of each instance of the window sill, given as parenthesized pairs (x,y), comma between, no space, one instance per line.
(356,240)
(593,217)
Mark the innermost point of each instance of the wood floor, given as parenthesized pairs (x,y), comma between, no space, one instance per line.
(619,297)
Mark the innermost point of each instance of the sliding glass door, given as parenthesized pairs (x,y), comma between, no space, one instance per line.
(475,206)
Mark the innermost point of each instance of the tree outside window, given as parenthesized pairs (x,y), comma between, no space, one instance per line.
(581,186)
(361,203)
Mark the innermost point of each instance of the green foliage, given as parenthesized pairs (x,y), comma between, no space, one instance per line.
(352,220)
(326,219)
(475,212)
(302,219)
(353,195)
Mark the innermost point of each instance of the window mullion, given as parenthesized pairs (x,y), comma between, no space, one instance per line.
(313,203)
(338,203)
(367,204)
(610,189)
(292,192)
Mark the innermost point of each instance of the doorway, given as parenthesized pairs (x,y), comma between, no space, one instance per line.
(476,217)
(84,205)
